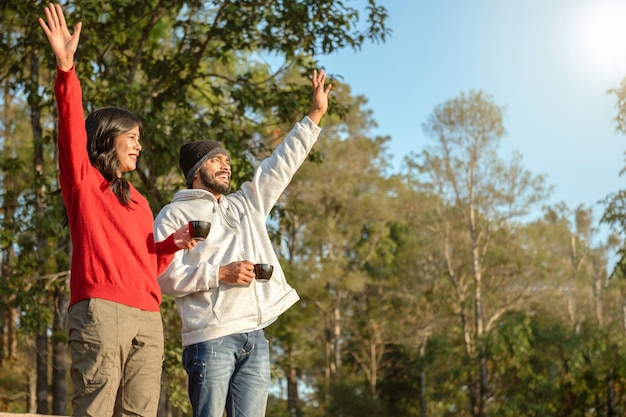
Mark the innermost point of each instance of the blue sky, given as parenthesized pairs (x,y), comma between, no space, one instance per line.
(548,62)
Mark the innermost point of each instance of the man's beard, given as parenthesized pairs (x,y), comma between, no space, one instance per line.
(211,184)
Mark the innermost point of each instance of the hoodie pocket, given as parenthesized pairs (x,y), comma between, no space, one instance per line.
(235,303)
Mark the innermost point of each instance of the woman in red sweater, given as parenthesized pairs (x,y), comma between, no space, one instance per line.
(115,328)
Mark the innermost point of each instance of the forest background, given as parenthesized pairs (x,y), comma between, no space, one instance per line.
(449,286)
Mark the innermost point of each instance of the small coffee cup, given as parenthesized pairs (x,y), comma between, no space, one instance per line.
(263,272)
(199,229)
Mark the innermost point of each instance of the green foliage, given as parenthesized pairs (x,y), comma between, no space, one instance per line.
(615,216)
(402,376)
(174,377)
(351,399)
(545,370)
(14,387)
(277,407)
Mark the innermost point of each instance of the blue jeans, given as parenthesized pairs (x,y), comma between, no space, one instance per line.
(231,373)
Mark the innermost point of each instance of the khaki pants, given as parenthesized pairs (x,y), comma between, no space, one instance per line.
(117,358)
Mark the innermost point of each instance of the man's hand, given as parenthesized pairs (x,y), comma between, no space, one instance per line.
(320,96)
(237,273)
(63,43)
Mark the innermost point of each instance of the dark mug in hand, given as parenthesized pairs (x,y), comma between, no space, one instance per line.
(263,272)
(199,229)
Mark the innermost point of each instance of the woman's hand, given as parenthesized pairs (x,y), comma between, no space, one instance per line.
(63,43)
(182,238)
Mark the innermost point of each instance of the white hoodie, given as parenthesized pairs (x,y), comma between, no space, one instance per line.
(208,308)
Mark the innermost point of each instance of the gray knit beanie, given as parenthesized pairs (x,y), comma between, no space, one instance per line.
(194,154)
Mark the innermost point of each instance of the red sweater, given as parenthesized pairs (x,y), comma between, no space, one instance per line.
(114,255)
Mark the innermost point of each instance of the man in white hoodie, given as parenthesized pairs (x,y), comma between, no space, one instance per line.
(222,307)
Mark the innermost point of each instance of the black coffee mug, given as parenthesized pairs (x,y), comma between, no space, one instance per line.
(263,272)
(199,229)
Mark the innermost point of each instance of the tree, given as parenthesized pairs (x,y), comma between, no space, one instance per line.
(479,196)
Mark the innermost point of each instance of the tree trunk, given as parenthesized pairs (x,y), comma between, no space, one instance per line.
(3,337)
(598,291)
(611,391)
(40,205)
(42,372)
(473,394)
(165,409)
(422,380)
(328,369)
(8,347)
(59,356)
(624,314)
(9,335)
(477,269)
(32,390)
(337,332)
(293,399)
(483,381)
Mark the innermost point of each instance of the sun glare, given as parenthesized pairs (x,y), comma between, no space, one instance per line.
(603,36)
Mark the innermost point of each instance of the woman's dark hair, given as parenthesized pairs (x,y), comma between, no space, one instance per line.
(103,126)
